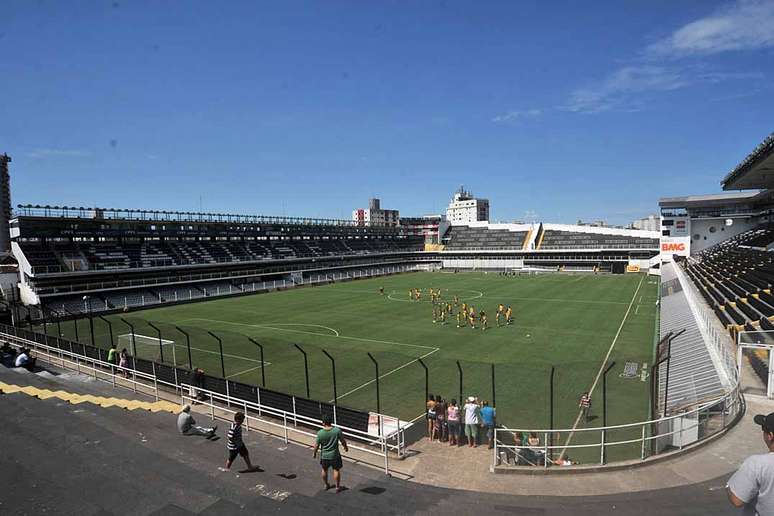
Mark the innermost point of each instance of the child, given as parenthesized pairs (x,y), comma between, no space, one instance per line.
(235,444)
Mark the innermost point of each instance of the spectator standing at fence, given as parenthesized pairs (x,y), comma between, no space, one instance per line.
(453,422)
(327,442)
(488,418)
(186,424)
(123,362)
(197,382)
(112,355)
(430,416)
(235,444)
(440,418)
(472,420)
(752,486)
(585,406)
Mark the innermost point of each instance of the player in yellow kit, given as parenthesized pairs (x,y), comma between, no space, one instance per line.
(508,315)
(456,301)
(460,319)
(472,317)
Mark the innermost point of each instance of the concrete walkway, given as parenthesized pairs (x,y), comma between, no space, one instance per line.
(721,457)
(462,468)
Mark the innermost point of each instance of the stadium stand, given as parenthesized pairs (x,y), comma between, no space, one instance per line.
(132,258)
(466,237)
(558,239)
(735,278)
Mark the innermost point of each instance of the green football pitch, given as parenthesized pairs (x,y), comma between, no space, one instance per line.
(575,323)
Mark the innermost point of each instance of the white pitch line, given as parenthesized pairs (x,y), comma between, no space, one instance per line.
(315,333)
(387,374)
(601,368)
(245,371)
(210,352)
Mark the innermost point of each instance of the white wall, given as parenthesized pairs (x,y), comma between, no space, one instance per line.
(707,237)
(482,263)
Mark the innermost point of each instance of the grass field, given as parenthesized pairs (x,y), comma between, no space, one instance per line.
(572,322)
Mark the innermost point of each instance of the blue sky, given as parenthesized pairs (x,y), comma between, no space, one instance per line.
(562,110)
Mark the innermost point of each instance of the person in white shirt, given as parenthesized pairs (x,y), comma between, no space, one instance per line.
(472,420)
(752,486)
(23,359)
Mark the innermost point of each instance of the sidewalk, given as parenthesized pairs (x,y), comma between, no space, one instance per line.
(440,465)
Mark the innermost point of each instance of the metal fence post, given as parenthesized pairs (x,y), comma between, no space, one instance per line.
(378,400)
(263,371)
(427,386)
(459,369)
(333,374)
(220,347)
(188,346)
(306,370)
(161,348)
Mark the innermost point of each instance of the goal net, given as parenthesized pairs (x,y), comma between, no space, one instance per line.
(144,346)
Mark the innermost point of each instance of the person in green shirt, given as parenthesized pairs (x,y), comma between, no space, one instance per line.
(113,355)
(328,439)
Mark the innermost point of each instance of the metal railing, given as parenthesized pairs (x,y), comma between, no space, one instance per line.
(379,445)
(654,437)
(389,438)
(160,264)
(226,275)
(60,308)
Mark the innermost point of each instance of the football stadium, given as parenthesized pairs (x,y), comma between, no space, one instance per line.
(442,355)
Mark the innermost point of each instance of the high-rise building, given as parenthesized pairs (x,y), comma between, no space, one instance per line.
(5,205)
(649,223)
(374,215)
(464,208)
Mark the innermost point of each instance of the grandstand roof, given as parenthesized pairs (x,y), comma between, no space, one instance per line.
(755,171)
(721,199)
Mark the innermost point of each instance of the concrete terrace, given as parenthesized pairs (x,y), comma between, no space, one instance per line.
(88,459)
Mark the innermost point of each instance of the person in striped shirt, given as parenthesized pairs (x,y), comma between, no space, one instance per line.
(235,444)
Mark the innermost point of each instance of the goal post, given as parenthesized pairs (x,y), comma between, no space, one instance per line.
(145,346)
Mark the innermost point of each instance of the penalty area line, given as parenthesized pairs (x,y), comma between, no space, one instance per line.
(336,336)
(388,373)
(246,370)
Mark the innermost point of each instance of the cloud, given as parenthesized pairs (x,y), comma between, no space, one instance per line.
(513,116)
(745,25)
(619,88)
(58,153)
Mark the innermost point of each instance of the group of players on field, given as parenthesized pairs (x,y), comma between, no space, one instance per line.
(466,314)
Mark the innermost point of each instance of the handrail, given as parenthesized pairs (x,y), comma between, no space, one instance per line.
(727,406)
(393,442)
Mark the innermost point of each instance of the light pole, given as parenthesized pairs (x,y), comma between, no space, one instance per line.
(87,300)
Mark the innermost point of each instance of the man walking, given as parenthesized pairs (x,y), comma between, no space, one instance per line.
(585,406)
(328,439)
(752,486)
(186,424)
